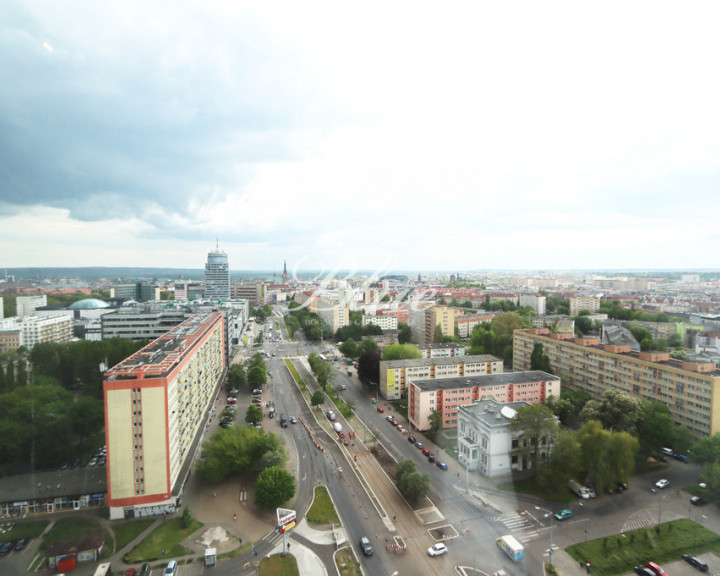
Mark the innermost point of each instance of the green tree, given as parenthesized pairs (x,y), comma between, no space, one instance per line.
(368,345)
(415,485)
(654,428)
(274,486)
(707,450)
(616,410)
(21,379)
(506,324)
(536,425)
(317,398)
(234,450)
(10,375)
(256,376)
(349,348)
(564,462)
(436,424)
(400,352)
(253,415)
(403,333)
(583,325)
(539,360)
(236,377)
(272,458)
(710,475)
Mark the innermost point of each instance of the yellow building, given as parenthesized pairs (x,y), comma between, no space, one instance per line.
(690,390)
(396,374)
(157,402)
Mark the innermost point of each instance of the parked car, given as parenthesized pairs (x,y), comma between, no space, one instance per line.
(365,546)
(257,391)
(144,570)
(431,458)
(171,568)
(400,428)
(426,451)
(695,562)
(662,483)
(642,571)
(564,515)
(411,439)
(7,547)
(21,544)
(131,572)
(389,419)
(293,420)
(380,409)
(419,445)
(656,568)
(698,501)
(681,457)
(441,465)
(437,549)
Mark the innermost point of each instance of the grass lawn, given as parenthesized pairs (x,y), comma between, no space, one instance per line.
(346,563)
(166,537)
(322,510)
(127,531)
(278,565)
(664,543)
(74,527)
(23,529)
(559,493)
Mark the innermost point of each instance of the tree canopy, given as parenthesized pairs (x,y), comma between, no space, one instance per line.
(412,484)
(274,486)
(231,451)
(400,352)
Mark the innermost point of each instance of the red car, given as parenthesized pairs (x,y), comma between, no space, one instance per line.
(394,422)
(341,434)
(380,409)
(131,572)
(426,451)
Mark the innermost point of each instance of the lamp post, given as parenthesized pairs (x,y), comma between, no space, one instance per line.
(552,526)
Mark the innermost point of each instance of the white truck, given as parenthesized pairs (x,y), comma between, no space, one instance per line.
(511,547)
(579,490)
(210,556)
(337,427)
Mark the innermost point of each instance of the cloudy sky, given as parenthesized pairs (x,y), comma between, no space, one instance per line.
(388,135)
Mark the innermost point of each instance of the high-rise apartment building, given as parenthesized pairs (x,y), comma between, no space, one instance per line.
(157,403)
(217,276)
(690,390)
(26,305)
(589,303)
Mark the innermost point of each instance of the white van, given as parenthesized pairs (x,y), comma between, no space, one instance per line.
(337,427)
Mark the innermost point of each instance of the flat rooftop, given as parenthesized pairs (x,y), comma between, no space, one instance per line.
(441,361)
(160,356)
(504,379)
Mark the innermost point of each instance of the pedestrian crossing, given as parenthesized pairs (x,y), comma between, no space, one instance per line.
(519,526)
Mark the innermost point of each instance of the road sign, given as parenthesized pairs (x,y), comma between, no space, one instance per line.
(285,516)
(287,527)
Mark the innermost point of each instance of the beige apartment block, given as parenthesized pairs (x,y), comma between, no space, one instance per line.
(589,303)
(395,374)
(157,403)
(690,390)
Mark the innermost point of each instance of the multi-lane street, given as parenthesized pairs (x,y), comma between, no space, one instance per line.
(468,507)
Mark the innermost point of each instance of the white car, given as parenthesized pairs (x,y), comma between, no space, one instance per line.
(662,483)
(437,550)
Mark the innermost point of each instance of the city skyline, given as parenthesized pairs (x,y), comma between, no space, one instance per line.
(554,137)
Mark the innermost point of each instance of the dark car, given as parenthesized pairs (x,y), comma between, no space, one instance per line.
(365,546)
(698,501)
(411,439)
(431,458)
(695,562)
(681,457)
(642,571)
(21,544)
(144,570)
(6,548)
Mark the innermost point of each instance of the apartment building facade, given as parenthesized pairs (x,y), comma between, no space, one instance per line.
(134,324)
(691,390)
(442,350)
(466,322)
(396,374)
(157,402)
(589,303)
(534,301)
(385,322)
(425,396)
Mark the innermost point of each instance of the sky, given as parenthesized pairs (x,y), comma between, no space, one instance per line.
(381,135)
